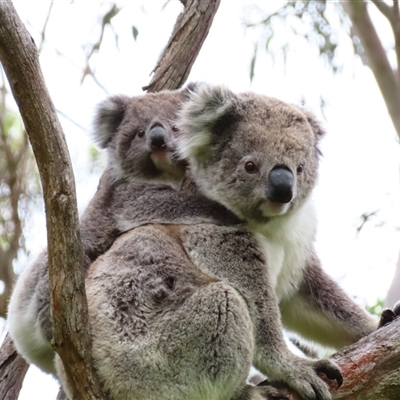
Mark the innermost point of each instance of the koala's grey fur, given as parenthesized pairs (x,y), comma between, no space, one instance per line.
(119,200)
(181,311)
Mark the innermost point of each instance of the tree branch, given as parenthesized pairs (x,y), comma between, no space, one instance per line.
(12,371)
(384,8)
(190,31)
(71,339)
(396,7)
(370,367)
(376,54)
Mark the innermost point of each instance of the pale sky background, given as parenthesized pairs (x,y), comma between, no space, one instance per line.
(360,168)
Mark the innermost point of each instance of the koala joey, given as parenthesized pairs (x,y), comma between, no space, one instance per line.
(181,311)
(138,135)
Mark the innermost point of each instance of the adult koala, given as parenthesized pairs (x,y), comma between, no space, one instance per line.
(138,134)
(181,311)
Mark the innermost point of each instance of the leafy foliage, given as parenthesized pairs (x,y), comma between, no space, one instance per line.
(318,23)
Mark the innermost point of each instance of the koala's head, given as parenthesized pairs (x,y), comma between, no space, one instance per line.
(139,133)
(256,155)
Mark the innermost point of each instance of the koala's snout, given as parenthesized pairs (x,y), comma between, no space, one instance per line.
(158,138)
(280,189)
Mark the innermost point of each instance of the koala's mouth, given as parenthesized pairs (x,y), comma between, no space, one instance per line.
(167,165)
(272,209)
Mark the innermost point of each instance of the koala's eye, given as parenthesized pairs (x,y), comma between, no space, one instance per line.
(300,169)
(140,132)
(250,167)
(175,128)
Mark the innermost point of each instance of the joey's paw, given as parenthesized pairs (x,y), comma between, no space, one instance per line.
(389,315)
(305,381)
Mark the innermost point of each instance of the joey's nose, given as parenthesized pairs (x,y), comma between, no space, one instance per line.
(158,138)
(280,189)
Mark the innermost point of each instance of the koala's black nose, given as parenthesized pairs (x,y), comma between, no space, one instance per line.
(158,138)
(280,189)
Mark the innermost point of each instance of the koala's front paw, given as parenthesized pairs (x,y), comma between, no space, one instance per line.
(389,315)
(304,379)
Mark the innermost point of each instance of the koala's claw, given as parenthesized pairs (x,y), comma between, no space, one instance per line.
(331,370)
(388,315)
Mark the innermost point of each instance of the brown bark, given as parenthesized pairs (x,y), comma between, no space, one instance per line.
(12,371)
(190,31)
(370,367)
(71,339)
(377,57)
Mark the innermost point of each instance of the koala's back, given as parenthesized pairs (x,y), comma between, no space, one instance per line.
(167,320)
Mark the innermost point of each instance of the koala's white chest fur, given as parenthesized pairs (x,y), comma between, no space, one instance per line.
(287,242)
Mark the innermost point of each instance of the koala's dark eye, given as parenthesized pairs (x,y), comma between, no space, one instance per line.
(140,132)
(175,128)
(250,167)
(300,169)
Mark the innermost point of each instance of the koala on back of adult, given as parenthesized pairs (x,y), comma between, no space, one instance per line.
(259,157)
(217,294)
(138,134)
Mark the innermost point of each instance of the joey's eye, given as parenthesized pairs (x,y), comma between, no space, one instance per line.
(300,169)
(250,167)
(140,133)
(175,128)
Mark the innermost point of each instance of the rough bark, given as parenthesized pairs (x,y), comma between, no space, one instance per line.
(190,31)
(71,339)
(370,367)
(12,371)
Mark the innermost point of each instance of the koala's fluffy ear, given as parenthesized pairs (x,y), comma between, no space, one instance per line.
(108,117)
(315,124)
(203,117)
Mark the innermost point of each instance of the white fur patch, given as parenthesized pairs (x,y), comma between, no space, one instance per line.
(287,242)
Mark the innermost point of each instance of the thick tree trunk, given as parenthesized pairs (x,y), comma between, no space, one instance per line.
(71,339)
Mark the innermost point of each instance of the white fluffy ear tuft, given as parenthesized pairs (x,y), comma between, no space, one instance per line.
(108,117)
(206,105)
(316,125)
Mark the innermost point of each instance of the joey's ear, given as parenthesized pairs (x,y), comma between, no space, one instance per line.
(202,118)
(108,117)
(316,125)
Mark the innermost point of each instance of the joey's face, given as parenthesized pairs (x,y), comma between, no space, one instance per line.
(139,135)
(256,155)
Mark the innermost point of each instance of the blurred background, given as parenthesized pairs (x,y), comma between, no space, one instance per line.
(304,52)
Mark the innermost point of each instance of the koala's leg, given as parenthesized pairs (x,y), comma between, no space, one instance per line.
(198,349)
(29,316)
(323,312)
(234,256)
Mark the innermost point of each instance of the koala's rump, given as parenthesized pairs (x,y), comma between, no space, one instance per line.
(158,321)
